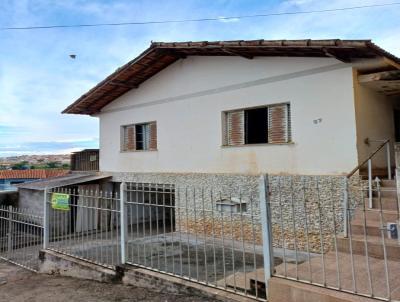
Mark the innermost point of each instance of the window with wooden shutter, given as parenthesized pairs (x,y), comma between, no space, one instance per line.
(259,125)
(128,136)
(278,124)
(235,128)
(153,136)
(138,137)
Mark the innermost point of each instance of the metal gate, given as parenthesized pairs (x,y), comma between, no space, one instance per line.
(90,227)
(205,235)
(21,236)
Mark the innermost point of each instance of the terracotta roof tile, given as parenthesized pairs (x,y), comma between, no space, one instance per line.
(162,54)
(32,174)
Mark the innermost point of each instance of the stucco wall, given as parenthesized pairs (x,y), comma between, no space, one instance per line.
(31,199)
(374,120)
(187,99)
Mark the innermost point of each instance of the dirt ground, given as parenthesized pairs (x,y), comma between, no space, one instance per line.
(18,284)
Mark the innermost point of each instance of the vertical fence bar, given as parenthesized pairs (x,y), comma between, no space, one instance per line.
(388,160)
(10,232)
(294,227)
(123,221)
(370,183)
(345,207)
(45,220)
(266,229)
(382,231)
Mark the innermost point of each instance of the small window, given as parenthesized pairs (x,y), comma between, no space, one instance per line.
(261,125)
(139,137)
(231,205)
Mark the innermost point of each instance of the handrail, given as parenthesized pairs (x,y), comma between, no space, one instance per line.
(368,158)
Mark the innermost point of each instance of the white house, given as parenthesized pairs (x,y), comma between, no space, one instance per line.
(215,115)
(245,107)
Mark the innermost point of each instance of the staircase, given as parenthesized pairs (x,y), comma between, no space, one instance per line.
(368,227)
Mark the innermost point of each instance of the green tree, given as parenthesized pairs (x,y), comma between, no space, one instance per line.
(21,165)
(53,164)
(66,166)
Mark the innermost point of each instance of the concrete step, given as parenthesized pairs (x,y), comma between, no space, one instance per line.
(375,246)
(386,192)
(283,290)
(388,183)
(382,173)
(388,203)
(375,215)
(372,227)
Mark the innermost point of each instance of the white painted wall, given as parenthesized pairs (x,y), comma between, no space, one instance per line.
(187,99)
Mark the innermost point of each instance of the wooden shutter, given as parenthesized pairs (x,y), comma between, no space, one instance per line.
(279,124)
(153,136)
(235,128)
(129,143)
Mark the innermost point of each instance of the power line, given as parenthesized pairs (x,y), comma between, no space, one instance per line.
(200,19)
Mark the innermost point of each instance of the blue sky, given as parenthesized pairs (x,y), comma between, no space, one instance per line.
(38,79)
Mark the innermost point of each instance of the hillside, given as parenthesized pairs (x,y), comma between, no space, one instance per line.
(35,159)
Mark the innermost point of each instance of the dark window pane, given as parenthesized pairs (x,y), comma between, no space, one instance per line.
(139,137)
(256,126)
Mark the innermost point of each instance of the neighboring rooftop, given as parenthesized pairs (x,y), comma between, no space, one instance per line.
(162,54)
(66,180)
(32,173)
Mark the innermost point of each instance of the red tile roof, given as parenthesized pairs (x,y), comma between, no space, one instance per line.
(32,174)
(162,54)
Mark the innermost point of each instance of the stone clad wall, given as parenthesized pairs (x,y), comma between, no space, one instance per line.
(306,210)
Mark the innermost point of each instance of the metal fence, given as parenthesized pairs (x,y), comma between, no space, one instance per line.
(206,236)
(87,228)
(310,237)
(319,230)
(21,236)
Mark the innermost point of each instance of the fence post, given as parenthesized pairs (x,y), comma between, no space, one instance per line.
(389,162)
(10,231)
(266,223)
(123,221)
(370,184)
(45,220)
(345,207)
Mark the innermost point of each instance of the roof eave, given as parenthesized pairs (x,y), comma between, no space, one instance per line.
(343,50)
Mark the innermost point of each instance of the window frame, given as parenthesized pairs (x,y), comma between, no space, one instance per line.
(224,126)
(122,137)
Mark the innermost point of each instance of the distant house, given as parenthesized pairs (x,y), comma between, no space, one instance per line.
(31,194)
(85,160)
(10,178)
(83,176)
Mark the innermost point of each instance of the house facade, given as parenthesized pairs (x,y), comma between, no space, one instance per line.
(218,114)
(192,130)
(295,108)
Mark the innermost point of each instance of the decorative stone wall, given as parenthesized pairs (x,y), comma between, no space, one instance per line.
(306,210)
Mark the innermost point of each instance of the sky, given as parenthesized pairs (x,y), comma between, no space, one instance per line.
(38,79)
